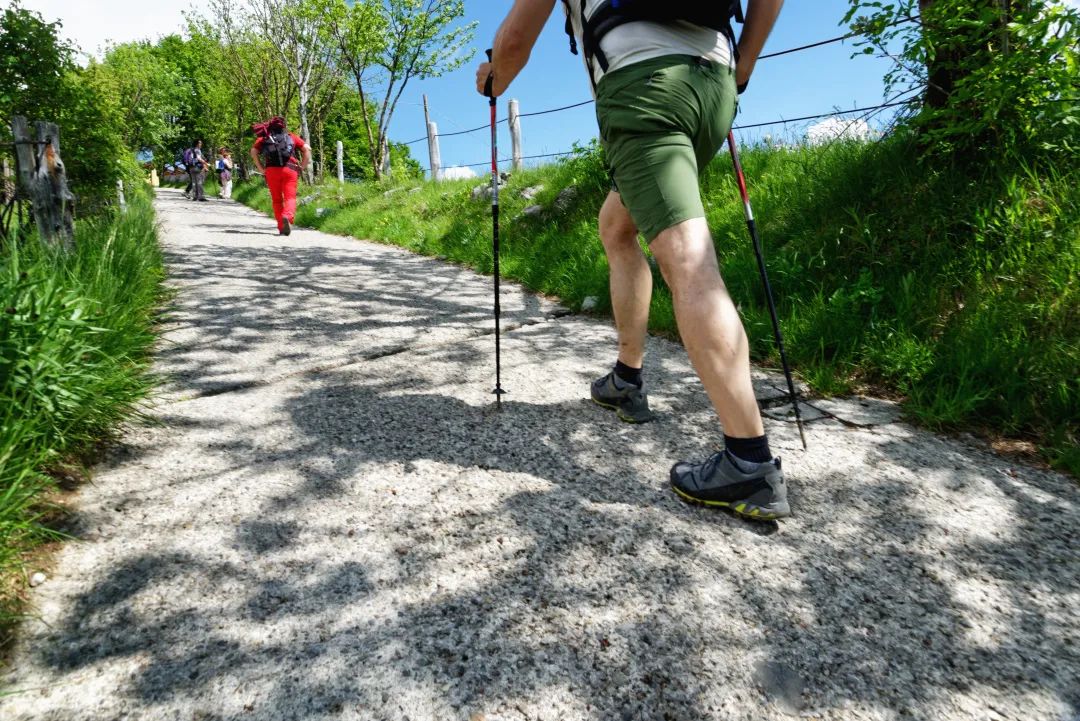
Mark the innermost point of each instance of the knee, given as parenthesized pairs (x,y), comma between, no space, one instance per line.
(617,229)
(687,257)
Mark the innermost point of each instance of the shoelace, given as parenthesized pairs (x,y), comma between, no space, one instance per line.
(710,464)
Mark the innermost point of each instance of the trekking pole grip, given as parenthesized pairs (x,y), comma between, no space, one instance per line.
(490,81)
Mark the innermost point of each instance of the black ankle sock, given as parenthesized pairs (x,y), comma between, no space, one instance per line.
(627,374)
(754,450)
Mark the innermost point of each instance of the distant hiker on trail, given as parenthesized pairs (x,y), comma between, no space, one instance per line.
(224,169)
(274,154)
(666,78)
(189,168)
(196,167)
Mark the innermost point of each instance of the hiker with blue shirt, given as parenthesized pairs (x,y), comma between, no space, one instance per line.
(196,167)
(666,78)
(188,159)
(224,171)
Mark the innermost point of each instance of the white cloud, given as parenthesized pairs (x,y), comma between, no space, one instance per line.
(94,24)
(837,129)
(457,172)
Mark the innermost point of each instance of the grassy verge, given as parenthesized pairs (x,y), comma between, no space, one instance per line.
(75,337)
(958,295)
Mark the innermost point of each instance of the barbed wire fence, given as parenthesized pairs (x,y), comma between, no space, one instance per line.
(517,158)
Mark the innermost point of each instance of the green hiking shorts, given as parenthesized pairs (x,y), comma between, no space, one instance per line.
(661,122)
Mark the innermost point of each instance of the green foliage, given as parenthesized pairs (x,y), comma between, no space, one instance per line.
(422,40)
(386,43)
(91,142)
(39,79)
(34,63)
(346,122)
(148,90)
(960,295)
(1001,78)
(75,338)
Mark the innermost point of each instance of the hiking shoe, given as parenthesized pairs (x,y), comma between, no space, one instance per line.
(627,400)
(753,490)
(286,228)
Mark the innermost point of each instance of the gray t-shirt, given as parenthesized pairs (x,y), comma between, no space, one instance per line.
(634,42)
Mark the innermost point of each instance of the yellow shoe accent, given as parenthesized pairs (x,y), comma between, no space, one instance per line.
(741,507)
(605,405)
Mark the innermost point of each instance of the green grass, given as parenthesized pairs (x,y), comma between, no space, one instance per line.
(75,337)
(955,293)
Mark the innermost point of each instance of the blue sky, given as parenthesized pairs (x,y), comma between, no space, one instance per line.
(806,83)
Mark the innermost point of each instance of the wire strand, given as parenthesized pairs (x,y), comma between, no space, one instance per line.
(839,38)
(822,115)
(833,114)
(789,51)
(556,110)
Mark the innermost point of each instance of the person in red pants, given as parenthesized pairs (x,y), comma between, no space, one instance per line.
(274,154)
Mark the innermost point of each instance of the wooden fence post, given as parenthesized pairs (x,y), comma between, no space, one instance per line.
(42,175)
(340,162)
(24,151)
(434,157)
(8,184)
(515,134)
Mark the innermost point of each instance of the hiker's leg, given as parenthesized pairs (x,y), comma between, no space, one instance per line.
(661,123)
(630,279)
(273,182)
(709,324)
(289,178)
(200,178)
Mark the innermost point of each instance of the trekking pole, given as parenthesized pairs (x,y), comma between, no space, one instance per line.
(495,233)
(741,179)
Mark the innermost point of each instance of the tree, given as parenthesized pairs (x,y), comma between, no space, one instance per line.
(34,63)
(39,79)
(298,30)
(209,106)
(150,92)
(249,60)
(345,122)
(994,74)
(275,51)
(387,43)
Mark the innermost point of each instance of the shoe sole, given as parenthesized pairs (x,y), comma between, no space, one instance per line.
(619,413)
(741,508)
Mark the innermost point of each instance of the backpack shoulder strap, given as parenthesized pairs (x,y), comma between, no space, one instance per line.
(736,14)
(569,27)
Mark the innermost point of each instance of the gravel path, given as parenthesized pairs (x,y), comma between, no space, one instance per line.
(331,522)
